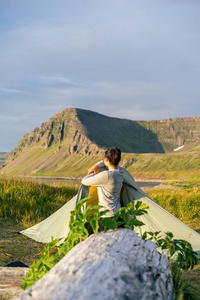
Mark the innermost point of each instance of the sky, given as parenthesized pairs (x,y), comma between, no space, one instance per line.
(133,59)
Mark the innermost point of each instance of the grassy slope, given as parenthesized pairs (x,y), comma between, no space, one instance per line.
(165,166)
(48,162)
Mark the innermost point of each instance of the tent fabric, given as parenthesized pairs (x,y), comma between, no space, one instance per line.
(56,225)
(157,219)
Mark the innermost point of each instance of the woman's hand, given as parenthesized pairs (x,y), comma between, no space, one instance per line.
(95,169)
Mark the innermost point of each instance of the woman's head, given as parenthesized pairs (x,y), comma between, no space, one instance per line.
(113,155)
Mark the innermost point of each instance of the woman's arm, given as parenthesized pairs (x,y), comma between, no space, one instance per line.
(96,168)
(96,180)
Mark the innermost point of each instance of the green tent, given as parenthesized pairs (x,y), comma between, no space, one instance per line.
(158,219)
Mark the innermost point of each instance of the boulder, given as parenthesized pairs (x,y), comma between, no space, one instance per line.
(113,265)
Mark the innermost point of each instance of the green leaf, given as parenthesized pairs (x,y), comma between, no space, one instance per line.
(144,206)
(119,223)
(144,236)
(129,206)
(95,225)
(64,249)
(80,215)
(49,265)
(122,213)
(90,209)
(137,213)
(81,203)
(138,204)
(135,222)
(109,223)
(169,234)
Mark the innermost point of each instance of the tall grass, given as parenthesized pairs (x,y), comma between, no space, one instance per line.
(182,203)
(28,203)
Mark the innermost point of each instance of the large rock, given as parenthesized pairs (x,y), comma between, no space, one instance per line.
(113,265)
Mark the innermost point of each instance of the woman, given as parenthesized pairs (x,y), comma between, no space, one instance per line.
(108,182)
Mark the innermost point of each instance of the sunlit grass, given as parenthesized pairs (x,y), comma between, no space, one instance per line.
(28,203)
(183,203)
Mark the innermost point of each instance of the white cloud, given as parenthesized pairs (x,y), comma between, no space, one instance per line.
(9,90)
(59,79)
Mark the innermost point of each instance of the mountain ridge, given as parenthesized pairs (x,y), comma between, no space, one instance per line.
(78,125)
(78,132)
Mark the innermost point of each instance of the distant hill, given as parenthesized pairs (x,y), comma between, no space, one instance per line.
(3,157)
(74,138)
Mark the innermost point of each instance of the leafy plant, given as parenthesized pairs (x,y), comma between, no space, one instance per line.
(39,268)
(126,216)
(53,252)
(78,231)
(180,252)
(181,257)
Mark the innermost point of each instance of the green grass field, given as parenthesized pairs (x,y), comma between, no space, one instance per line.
(27,203)
(183,203)
(24,203)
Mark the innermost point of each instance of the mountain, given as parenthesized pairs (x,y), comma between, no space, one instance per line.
(74,139)
(3,157)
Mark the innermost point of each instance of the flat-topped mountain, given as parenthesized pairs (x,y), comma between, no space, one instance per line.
(86,133)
